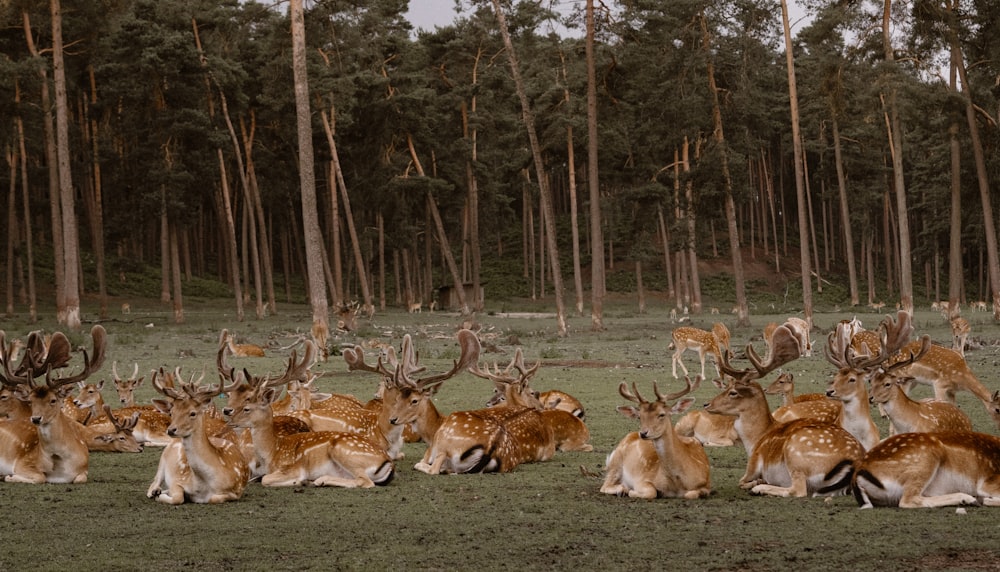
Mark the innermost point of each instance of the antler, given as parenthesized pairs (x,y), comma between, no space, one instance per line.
(784,348)
(164,383)
(226,371)
(125,426)
(296,370)
(894,335)
(408,366)
(636,397)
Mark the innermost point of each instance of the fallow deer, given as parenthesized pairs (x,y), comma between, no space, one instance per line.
(799,458)
(321,458)
(241,350)
(960,331)
(119,440)
(701,341)
(195,467)
(655,461)
(784,385)
(48,447)
(916,470)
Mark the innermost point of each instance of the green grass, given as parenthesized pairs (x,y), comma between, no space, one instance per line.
(543,516)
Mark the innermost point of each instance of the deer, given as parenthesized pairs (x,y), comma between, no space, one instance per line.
(960,331)
(654,461)
(690,338)
(710,429)
(555,399)
(195,467)
(921,470)
(48,447)
(805,457)
(800,328)
(241,350)
(907,415)
(458,443)
(322,458)
(784,385)
(120,440)
(125,387)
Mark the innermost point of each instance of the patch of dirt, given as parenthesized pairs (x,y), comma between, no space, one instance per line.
(966,560)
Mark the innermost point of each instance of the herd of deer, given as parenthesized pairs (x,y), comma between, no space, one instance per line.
(814,445)
(827,444)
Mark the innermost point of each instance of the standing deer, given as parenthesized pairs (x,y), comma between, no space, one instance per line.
(701,341)
(655,461)
(195,467)
(960,331)
(799,458)
(49,447)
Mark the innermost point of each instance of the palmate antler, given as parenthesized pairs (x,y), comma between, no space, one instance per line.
(785,347)
(42,359)
(403,371)
(894,334)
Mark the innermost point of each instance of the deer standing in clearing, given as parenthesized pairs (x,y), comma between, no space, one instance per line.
(195,467)
(960,330)
(701,341)
(655,461)
(799,458)
(49,447)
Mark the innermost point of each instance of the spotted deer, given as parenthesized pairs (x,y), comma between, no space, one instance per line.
(800,458)
(701,341)
(241,350)
(321,458)
(654,461)
(960,331)
(195,467)
(406,398)
(919,470)
(48,447)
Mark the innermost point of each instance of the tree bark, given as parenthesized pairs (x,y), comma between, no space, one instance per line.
(597,285)
(307,182)
(800,193)
(845,215)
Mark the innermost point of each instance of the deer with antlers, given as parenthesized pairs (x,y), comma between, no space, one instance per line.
(654,461)
(322,458)
(464,441)
(799,458)
(917,470)
(119,440)
(48,447)
(195,467)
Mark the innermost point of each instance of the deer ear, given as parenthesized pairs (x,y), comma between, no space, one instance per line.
(162,405)
(682,405)
(628,411)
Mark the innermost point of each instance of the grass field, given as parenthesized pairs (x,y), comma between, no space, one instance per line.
(542,516)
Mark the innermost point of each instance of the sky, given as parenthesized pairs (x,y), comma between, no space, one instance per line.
(428,14)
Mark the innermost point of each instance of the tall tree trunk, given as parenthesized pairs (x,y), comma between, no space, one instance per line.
(982,174)
(800,192)
(473,199)
(29,240)
(164,247)
(230,223)
(845,215)
(742,313)
(307,182)
(898,181)
(175,272)
(545,194)
(97,212)
(359,264)
(573,207)
(597,285)
(449,258)
(956,273)
(267,260)
(12,230)
(71,242)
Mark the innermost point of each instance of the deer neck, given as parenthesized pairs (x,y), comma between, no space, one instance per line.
(429,419)
(202,454)
(753,422)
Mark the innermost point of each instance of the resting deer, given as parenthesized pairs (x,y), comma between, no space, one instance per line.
(125,387)
(48,447)
(655,461)
(784,385)
(407,400)
(195,467)
(799,458)
(915,470)
(555,399)
(322,458)
(711,429)
(813,405)
(120,440)
(569,431)
(241,350)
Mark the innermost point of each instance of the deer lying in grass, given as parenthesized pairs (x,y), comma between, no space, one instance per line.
(800,458)
(120,440)
(195,467)
(655,461)
(320,458)
(916,470)
(48,447)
